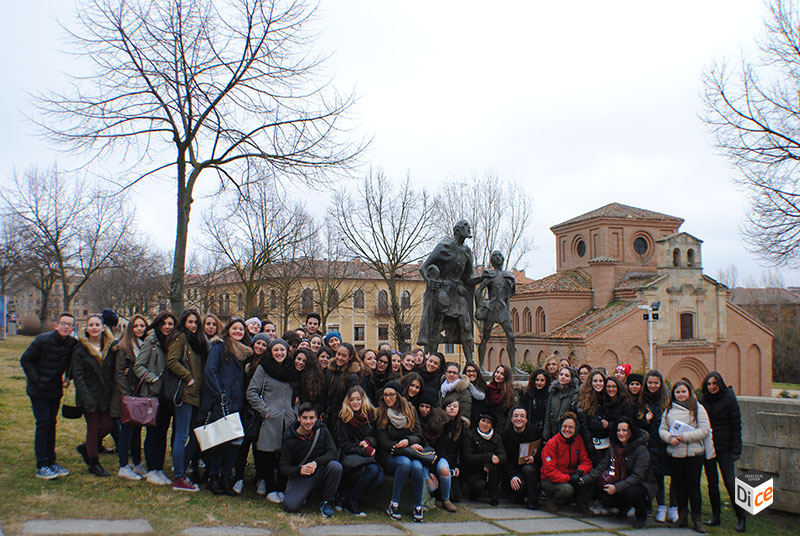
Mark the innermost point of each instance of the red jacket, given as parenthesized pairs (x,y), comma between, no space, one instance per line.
(560,459)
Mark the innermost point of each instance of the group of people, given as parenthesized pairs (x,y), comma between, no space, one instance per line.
(318,415)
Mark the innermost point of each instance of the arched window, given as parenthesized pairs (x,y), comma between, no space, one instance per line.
(333,299)
(515,320)
(687,326)
(221,304)
(690,258)
(383,300)
(405,300)
(527,321)
(227,304)
(676,257)
(541,321)
(358,299)
(273,299)
(307,300)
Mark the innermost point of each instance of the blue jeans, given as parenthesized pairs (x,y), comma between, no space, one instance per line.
(183,424)
(401,467)
(444,481)
(130,444)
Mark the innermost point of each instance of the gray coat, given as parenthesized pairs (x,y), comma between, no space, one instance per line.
(272,399)
(150,365)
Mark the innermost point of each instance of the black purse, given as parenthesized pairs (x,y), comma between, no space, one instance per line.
(354,461)
(427,455)
(72,411)
(173,384)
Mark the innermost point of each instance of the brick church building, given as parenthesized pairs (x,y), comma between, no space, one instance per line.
(614,259)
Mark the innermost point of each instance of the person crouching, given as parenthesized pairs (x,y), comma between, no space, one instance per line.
(565,467)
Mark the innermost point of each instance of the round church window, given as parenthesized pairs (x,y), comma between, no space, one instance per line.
(640,245)
(580,248)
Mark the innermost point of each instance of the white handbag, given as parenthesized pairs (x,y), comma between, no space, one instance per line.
(228,428)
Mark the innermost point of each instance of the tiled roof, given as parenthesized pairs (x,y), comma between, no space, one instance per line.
(634,281)
(602,258)
(622,212)
(566,281)
(593,320)
(763,296)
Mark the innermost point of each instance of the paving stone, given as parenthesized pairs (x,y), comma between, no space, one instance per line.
(612,522)
(225,531)
(365,529)
(466,527)
(547,524)
(510,513)
(86,526)
(660,530)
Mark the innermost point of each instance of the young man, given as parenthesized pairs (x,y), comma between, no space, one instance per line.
(45,362)
(312,324)
(521,473)
(308,460)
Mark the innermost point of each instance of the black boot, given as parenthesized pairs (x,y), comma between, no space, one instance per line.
(215,485)
(96,469)
(716,507)
(741,522)
(714,521)
(697,523)
(227,487)
(683,519)
(84,453)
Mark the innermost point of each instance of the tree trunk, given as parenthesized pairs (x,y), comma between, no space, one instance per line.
(397,316)
(181,236)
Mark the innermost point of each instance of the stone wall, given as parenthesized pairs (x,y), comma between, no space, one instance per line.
(771,444)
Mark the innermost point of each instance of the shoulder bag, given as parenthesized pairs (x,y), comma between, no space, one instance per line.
(427,455)
(228,428)
(141,410)
(72,412)
(174,385)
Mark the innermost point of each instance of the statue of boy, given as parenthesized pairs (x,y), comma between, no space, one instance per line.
(491,300)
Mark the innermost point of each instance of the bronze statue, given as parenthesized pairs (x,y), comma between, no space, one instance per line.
(447,304)
(491,300)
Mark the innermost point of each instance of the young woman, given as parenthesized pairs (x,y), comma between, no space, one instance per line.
(500,395)
(551,366)
(419,359)
(636,482)
(433,370)
(412,388)
(563,395)
(615,403)
(720,403)
(149,367)
(564,464)
(398,427)
(333,340)
(223,394)
(268,327)
(432,419)
(409,364)
(186,353)
(622,372)
(130,435)
(583,373)
(253,326)
(686,450)
(270,394)
(448,451)
(92,372)
(344,371)
(397,365)
(454,384)
(324,356)
(356,436)
(635,385)
(310,387)
(315,342)
(482,458)
(564,362)
(211,327)
(260,345)
(535,399)
(477,390)
(589,405)
(370,360)
(653,401)
(383,371)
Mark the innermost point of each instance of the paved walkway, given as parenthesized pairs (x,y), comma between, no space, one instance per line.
(501,520)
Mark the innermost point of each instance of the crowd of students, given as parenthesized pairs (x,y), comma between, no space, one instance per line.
(319,415)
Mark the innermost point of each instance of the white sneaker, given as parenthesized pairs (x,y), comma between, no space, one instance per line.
(238,486)
(129,473)
(154,478)
(275,497)
(164,478)
(261,487)
(661,513)
(672,514)
(140,469)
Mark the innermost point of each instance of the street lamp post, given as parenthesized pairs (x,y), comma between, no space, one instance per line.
(650,316)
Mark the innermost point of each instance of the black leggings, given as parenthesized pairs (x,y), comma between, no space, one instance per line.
(686,474)
(635,496)
(266,469)
(726,467)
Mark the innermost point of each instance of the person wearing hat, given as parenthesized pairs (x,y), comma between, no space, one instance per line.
(622,372)
(333,340)
(270,394)
(635,382)
(482,458)
(253,325)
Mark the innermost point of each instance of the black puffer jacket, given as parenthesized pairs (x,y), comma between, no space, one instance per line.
(535,403)
(450,441)
(511,442)
(349,436)
(725,417)
(610,410)
(477,451)
(655,447)
(94,378)
(637,464)
(45,361)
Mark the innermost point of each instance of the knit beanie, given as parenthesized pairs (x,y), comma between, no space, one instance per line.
(636,377)
(261,337)
(330,335)
(396,385)
(253,320)
(625,367)
(427,397)
(273,342)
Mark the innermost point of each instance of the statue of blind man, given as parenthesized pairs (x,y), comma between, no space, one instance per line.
(491,300)
(448,300)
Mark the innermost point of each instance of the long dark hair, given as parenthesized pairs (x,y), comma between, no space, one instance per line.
(588,398)
(531,389)
(622,392)
(660,398)
(228,340)
(312,379)
(634,430)
(197,342)
(480,383)
(158,322)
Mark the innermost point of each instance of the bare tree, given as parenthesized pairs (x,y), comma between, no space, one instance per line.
(256,230)
(11,256)
(284,278)
(196,85)
(385,226)
(205,273)
(754,113)
(728,276)
(79,226)
(498,211)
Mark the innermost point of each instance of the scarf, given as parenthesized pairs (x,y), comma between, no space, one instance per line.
(448,386)
(488,436)
(358,420)
(397,419)
(476,393)
(283,371)
(241,351)
(494,394)
(197,344)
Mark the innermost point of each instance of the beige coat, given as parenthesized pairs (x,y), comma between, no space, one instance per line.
(693,442)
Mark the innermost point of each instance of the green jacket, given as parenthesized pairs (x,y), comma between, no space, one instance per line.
(187,364)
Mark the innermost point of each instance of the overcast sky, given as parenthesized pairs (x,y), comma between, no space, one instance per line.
(583,103)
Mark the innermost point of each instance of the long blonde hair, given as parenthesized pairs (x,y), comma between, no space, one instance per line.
(367,409)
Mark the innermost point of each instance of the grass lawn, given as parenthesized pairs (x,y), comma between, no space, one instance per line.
(787,386)
(23,497)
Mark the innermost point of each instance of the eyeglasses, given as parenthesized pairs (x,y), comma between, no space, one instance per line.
(389,395)
(65,324)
